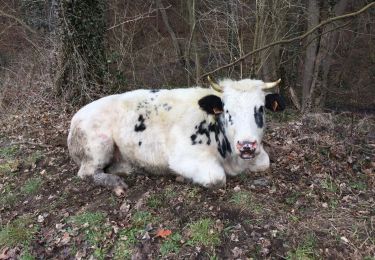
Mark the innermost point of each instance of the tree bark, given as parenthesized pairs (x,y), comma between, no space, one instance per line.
(310,55)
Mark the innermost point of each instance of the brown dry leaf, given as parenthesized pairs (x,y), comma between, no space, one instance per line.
(163,233)
(4,255)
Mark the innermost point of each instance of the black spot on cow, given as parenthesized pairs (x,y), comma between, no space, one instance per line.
(229,117)
(139,127)
(258,115)
(167,107)
(154,90)
(193,137)
(211,104)
(205,131)
(139,143)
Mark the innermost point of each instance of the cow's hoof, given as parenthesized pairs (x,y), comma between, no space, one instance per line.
(119,191)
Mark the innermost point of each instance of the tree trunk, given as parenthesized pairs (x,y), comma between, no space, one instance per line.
(80,58)
(192,46)
(310,56)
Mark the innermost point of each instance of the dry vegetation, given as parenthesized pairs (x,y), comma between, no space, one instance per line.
(316,201)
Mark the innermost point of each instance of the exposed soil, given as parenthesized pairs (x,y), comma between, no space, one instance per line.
(316,201)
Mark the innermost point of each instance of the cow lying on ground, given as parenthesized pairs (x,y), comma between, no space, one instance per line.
(197,133)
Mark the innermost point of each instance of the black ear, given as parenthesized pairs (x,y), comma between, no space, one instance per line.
(275,102)
(211,104)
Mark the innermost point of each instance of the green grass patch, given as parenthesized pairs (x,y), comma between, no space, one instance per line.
(202,233)
(292,198)
(172,244)
(94,228)
(8,152)
(358,185)
(170,192)
(305,250)
(9,167)
(7,197)
(193,193)
(125,243)
(329,185)
(32,186)
(17,232)
(244,199)
(127,238)
(33,158)
(155,201)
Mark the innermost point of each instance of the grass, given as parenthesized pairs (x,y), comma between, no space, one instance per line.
(8,152)
(292,198)
(8,198)
(32,186)
(202,233)
(33,158)
(245,200)
(9,166)
(128,237)
(306,250)
(358,185)
(170,193)
(329,185)
(171,244)
(18,232)
(94,228)
(155,201)
(125,243)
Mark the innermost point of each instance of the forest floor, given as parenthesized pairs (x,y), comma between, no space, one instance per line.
(316,201)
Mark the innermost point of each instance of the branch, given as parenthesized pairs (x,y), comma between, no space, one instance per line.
(301,37)
(2,13)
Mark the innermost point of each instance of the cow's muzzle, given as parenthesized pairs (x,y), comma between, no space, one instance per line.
(247,149)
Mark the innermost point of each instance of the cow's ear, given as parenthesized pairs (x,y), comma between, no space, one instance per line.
(275,102)
(211,104)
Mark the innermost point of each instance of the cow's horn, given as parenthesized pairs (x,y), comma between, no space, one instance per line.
(214,85)
(268,85)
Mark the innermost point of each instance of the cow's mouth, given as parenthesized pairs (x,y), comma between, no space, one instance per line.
(247,155)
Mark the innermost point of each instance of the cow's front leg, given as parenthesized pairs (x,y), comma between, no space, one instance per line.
(206,173)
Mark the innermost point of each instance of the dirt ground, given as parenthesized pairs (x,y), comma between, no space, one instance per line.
(316,201)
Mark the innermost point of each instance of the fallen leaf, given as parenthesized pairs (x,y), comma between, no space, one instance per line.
(163,233)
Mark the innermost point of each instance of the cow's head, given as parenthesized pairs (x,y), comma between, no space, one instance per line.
(240,107)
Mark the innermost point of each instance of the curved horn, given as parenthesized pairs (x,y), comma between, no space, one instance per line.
(214,85)
(268,85)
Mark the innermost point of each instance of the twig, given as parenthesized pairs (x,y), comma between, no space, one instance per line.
(301,37)
(2,13)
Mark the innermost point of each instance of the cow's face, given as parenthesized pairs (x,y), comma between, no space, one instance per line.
(243,114)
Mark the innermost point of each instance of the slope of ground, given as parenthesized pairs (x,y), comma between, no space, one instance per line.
(316,201)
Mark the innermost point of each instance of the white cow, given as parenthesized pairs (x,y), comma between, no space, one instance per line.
(197,133)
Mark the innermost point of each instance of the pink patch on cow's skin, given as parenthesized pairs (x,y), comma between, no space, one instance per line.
(103,136)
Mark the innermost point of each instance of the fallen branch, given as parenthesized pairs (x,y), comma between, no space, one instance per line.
(301,37)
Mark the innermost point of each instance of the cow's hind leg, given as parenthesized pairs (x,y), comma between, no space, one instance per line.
(94,153)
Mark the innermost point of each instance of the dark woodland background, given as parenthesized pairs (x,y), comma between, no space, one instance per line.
(78,51)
